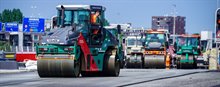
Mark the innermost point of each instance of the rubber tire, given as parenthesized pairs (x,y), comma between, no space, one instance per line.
(178,66)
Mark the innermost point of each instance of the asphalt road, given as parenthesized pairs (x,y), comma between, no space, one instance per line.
(128,77)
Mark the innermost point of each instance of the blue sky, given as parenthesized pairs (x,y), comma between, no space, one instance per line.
(200,14)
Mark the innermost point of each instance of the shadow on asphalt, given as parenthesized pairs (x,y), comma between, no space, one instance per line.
(216,85)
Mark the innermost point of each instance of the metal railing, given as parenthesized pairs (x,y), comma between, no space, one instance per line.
(19,49)
(25,49)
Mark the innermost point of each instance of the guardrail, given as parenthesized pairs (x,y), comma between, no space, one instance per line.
(25,49)
(19,49)
(20,54)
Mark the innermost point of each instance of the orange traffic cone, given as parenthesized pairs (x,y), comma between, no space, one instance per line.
(168,61)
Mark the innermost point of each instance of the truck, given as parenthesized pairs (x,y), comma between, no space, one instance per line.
(156,45)
(187,49)
(134,52)
(79,44)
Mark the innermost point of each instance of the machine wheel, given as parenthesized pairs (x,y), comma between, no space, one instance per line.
(128,64)
(112,63)
(190,66)
(77,68)
(84,74)
(139,64)
(154,61)
(89,74)
(178,65)
(142,62)
(195,63)
(58,68)
(122,64)
(135,64)
(187,65)
(42,68)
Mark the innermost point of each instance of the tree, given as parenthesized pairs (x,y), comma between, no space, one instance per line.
(12,16)
(6,16)
(0,17)
(17,15)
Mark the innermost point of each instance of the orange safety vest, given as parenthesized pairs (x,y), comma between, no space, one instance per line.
(93,21)
(93,18)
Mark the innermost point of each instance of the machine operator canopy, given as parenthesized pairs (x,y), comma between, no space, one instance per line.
(80,7)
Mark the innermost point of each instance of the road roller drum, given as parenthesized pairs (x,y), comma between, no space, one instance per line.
(135,61)
(57,66)
(154,61)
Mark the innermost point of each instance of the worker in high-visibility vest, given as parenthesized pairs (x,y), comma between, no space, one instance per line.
(94,17)
(94,20)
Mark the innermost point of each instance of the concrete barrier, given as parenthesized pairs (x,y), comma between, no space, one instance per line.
(8,65)
(213,60)
(22,56)
(10,55)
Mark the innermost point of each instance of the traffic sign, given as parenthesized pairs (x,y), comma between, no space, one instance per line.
(33,25)
(0,27)
(217,26)
(11,27)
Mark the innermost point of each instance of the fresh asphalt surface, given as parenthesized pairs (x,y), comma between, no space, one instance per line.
(127,77)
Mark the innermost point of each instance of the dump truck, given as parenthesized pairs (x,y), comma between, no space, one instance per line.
(79,44)
(134,52)
(156,45)
(187,49)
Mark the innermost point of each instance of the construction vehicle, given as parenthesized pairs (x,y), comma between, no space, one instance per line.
(134,52)
(187,49)
(79,45)
(206,45)
(115,32)
(156,45)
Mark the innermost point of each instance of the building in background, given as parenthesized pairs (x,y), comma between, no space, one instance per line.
(166,22)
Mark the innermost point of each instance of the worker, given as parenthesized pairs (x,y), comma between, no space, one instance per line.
(94,17)
(95,22)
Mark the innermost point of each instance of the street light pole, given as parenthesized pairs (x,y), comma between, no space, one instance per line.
(217,48)
(174,23)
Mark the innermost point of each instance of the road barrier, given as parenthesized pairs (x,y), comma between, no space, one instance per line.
(213,60)
(10,55)
(23,56)
(19,54)
(8,65)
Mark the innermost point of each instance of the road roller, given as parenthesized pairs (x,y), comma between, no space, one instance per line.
(156,44)
(134,52)
(187,49)
(115,32)
(79,44)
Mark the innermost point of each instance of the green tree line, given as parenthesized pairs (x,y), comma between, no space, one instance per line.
(14,15)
